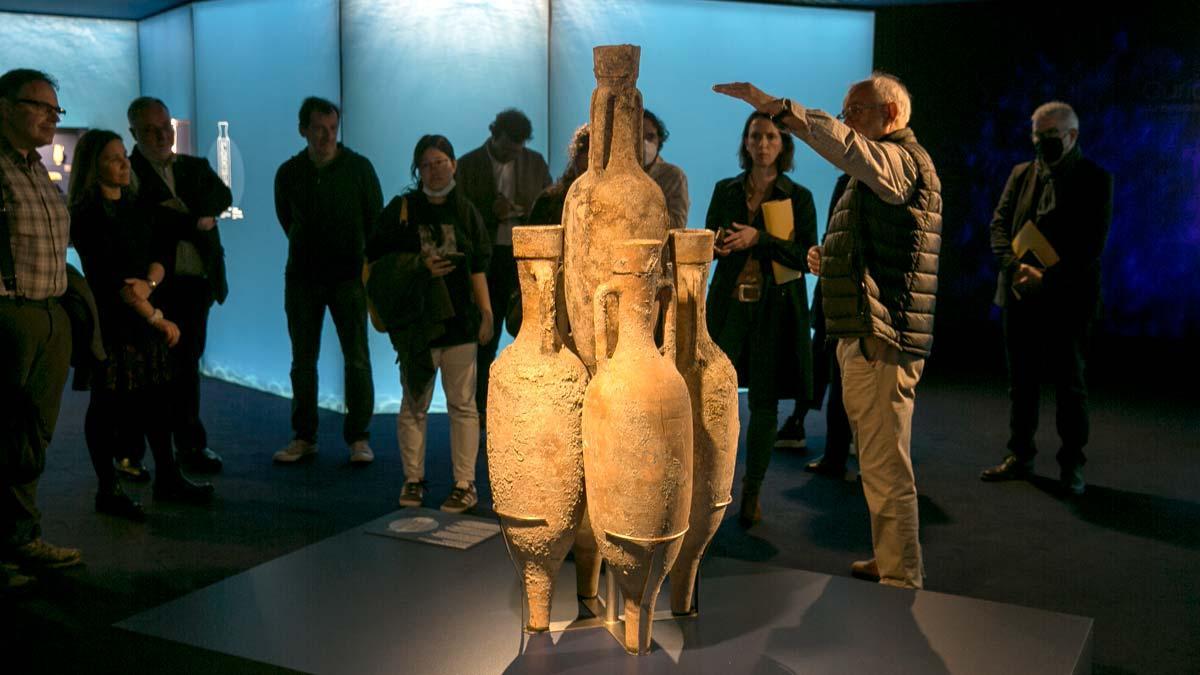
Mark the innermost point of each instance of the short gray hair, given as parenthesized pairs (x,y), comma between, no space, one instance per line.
(1063,113)
(891,90)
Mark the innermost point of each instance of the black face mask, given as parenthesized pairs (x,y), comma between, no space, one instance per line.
(1049,150)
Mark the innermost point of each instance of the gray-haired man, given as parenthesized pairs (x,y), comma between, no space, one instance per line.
(878,271)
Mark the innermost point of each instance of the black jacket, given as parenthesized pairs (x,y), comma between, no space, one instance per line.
(201,189)
(1076,227)
(879,264)
(417,309)
(728,205)
(328,214)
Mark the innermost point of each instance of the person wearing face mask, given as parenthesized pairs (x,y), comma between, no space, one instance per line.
(759,321)
(438,312)
(878,268)
(669,177)
(1048,313)
(327,198)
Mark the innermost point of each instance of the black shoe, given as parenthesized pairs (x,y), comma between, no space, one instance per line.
(203,460)
(1070,480)
(14,584)
(751,512)
(133,470)
(117,503)
(179,488)
(830,470)
(1012,468)
(791,434)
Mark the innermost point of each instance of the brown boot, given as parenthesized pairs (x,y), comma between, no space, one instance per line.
(865,569)
(751,512)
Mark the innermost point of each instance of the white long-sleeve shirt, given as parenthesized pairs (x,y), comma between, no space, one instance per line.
(886,168)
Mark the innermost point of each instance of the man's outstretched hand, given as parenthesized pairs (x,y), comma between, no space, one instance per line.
(761,100)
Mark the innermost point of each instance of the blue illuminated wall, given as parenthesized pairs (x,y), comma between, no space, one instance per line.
(255,62)
(806,54)
(404,69)
(167,59)
(94,60)
(444,67)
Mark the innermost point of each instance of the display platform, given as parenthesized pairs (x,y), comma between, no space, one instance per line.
(361,603)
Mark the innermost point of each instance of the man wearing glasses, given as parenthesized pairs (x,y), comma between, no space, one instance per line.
(327,198)
(190,196)
(35,337)
(878,269)
(1047,311)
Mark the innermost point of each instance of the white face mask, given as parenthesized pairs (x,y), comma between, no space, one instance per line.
(649,153)
(439,193)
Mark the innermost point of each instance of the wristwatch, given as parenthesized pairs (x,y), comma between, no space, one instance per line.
(785,111)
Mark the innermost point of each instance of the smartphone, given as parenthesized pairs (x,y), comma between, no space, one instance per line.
(456,257)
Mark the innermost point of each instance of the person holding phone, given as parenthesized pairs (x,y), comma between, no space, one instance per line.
(441,235)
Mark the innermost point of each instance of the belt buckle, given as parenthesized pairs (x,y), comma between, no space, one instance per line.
(749,293)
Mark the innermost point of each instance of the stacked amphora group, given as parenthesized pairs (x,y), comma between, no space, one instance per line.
(625,445)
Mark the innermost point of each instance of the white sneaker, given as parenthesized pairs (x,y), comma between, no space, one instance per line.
(360,453)
(295,451)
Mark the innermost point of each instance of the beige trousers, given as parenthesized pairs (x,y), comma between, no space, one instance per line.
(878,389)
(457,365)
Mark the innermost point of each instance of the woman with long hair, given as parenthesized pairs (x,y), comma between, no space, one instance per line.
(759,319)
(122,256)
(441,235)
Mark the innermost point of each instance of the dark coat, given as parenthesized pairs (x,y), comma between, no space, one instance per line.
(328,214)
(728,205)
(205,194)
(476,182)
(1076,227)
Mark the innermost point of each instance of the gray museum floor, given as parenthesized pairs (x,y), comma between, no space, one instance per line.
(1124,554)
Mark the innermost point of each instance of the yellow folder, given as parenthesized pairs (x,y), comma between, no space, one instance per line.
(1030,239)
(778,216)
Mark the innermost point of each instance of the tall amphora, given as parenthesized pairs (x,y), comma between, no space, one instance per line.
(712,385)
(534,441)
(637,438)
(614,199)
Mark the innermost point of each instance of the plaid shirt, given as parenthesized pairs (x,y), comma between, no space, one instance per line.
(38,223)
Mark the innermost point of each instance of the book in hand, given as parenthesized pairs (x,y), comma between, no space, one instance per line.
(1031,244)
(1032,248)
(778,217)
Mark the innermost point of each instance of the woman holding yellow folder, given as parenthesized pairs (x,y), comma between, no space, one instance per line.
(758,303)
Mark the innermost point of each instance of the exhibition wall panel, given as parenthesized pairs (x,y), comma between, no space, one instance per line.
(436,67)
(256,60)
(807,54)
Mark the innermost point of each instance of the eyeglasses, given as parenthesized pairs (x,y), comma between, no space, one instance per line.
(435,164)
(43,106)
(857,109)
